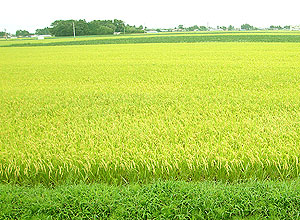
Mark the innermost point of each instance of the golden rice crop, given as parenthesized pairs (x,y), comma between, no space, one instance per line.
(135,113)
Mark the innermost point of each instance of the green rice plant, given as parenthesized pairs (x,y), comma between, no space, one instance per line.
(142,112)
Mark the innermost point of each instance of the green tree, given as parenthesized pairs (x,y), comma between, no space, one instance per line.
(22,33)
(192,28)
(81,27)
(119,24)
(180,26)
(203,28)
(44,31)
(132,29)
(65,27)
(62,28)
(96,27)
(247,27)
(104,30)
(273,27)
(230,28)
(99,27)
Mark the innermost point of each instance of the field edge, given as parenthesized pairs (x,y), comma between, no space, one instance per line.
(161,199)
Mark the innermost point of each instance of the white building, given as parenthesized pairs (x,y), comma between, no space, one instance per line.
(40,37)
(46,35)
(151,32)
(295,28)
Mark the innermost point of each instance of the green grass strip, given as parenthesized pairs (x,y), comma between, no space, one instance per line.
(169,39)
(159,200)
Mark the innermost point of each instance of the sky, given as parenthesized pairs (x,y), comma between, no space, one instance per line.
(33,14)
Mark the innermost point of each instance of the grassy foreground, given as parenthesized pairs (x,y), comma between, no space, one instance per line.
(160,200)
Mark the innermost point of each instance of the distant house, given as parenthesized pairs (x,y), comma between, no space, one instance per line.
(40,37)
(177,30)
(295,28)
(151,32)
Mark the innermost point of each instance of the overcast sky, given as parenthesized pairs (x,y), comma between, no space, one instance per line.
(33,14)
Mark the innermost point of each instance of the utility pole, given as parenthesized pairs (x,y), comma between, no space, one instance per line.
(124,28)
(74,29)
(5,34)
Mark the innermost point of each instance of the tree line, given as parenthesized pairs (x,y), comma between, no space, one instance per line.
(246,27)
(82,27)
(107,27)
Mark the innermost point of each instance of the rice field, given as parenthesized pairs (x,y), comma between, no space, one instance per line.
(135,113)
(169,37)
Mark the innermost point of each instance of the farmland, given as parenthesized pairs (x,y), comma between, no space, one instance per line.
(135,113)
(176,37)
(115,113)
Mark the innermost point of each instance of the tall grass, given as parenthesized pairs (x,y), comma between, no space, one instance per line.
(160,200)
(136,113)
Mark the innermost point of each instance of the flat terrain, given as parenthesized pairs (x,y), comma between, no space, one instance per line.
(128,113)
(173,37)
(160,200)
(151,126)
